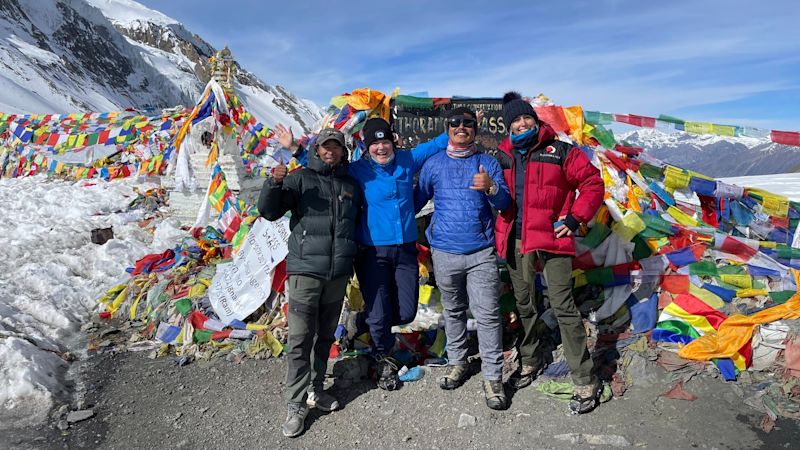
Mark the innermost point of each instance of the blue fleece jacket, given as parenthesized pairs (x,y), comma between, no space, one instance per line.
(388,214)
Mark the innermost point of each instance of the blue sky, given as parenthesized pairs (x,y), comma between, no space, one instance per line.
(735,62)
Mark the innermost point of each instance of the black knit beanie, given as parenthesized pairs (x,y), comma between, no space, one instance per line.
(376,129)
(514,106)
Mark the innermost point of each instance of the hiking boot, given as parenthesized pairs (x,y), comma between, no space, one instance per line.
(586,397)
(322,401)
(495,394)
(386,370)
(524,376)
(457,376)
(295,420)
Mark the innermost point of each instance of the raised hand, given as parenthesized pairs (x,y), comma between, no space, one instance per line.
(285,136)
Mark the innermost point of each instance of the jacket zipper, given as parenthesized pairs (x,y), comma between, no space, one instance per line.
(524,198)
(302,242)
(333,226)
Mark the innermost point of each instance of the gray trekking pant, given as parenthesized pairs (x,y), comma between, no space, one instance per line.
(471,281)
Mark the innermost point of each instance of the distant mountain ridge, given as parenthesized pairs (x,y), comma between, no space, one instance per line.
(59,56)
(716,156)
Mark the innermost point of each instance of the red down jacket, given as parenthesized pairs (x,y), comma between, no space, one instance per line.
(554,171)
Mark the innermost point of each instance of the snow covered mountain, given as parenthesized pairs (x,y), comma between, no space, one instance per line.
(716,156)
(59,56)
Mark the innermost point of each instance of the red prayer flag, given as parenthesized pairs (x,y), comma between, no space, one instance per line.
(675,284)
(709,207)
(553,116)
(279,277)
(583,261)
(785,137)
(738,248)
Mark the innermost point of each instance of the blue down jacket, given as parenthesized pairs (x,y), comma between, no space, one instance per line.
(462,221)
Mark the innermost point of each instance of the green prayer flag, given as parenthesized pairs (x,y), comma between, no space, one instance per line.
(598,118)
(409,102)
(781,296)
(656,227)
(600,276)
(604,137)
(183,306)
(640,248)
(703,269)
(202,336)
(651,171)
(731,269)
(670,119)
(596,235)
(679,327)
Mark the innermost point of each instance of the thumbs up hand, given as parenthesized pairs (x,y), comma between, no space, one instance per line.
(481,181)
(279,173)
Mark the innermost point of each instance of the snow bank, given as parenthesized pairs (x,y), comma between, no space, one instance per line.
(51,275)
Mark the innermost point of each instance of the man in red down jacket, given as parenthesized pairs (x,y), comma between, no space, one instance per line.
(543,175)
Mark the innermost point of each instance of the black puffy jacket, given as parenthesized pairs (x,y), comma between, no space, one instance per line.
(325,203)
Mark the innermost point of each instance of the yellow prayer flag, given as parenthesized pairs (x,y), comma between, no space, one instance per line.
(425,292)
(723,130)
(580,278)
(773,204)
(676,178)
(743,281)
(744,293)
(708,297)
(274,344)
(630,226)
(698,127)
(681,217)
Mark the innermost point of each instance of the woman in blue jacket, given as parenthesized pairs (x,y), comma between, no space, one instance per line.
(386,265)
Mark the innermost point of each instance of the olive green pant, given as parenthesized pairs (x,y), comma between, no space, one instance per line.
(558,276)
(314,309)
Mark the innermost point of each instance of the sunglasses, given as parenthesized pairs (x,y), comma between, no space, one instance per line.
(458,120)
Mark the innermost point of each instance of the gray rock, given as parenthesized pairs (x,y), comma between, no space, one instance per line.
(77,416)
(465,420)
(62,425)
(594,439)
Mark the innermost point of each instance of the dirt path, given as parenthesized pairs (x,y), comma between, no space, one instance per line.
(143,403)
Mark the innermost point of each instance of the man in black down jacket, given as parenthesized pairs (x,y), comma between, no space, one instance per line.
(325,203)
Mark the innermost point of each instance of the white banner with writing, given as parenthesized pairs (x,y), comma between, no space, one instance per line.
(241,286)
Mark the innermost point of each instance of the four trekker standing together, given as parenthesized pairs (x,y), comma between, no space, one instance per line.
(517,203)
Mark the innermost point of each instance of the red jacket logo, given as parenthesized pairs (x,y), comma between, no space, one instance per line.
(550,149)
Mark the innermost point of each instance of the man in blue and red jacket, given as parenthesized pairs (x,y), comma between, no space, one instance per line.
(465,186)
(543,175)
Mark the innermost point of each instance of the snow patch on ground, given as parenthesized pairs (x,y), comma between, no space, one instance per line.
(51,276)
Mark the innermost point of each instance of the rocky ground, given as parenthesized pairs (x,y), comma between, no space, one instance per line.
(139,402)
